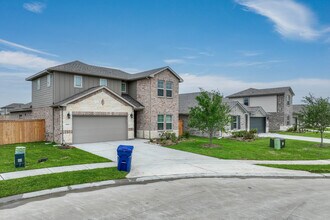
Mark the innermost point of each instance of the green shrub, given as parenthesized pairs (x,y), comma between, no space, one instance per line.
(292,129)
(186,134)
(246,135)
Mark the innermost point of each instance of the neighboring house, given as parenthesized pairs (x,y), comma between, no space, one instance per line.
(243,117)
(6,109)
(297,111)
(277,102)
(83,103)
(22,111)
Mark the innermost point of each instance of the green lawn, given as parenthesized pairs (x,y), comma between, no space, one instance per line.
(305,134)
(309,168)
(48,181)
(36,151)
(255,150)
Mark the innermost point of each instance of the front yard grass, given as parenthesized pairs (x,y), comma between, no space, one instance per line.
(254,150)
(54,180)
(305,134)
(309,168)
(35,151)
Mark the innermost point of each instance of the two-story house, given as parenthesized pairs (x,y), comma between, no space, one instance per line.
(83,103)
(277,102)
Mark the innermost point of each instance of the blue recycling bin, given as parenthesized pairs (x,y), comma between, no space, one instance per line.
(124,153)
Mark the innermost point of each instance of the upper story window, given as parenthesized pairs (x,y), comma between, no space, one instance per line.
(103,82)
(288,99)
(123,87)
(160,86)
(246,101)
(38,84)
(78,82)
(49,80)
(169,88)
(235,122)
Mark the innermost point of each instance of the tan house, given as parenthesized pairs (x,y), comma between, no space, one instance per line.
(82,103)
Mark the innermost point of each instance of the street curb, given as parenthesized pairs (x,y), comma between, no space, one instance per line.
(145,180)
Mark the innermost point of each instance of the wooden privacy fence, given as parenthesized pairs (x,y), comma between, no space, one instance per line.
(21,131)
(180,127)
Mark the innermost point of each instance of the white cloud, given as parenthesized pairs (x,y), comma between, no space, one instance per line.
(208,54)
(250,53)
(21,60)
(35,7)
(227,86)
(174,61)
(291,19)
(19,46)
(252,63)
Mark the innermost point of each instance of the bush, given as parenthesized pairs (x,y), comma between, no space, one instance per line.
(186,134)
(292,129)
(246,135)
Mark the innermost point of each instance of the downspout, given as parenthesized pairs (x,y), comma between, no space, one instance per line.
(150,108)
(62,128)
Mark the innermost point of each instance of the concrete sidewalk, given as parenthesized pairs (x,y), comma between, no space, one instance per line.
(292,137)
(36,172)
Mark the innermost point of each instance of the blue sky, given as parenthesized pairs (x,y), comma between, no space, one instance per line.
(228,45)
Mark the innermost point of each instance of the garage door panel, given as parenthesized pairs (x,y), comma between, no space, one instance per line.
(258,123)
(88,129)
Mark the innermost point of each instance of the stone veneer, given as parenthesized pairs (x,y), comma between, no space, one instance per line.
(154,105)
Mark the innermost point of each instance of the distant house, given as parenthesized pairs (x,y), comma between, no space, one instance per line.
(243,117)
(297,111)
(6,109)
(277,102)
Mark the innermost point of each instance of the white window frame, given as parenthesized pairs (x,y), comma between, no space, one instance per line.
(123,83)
(169,122)
(288,100)
(161,88)
(38,84)
(49,80)
(75,81)
(161,122)
(103,80)
(171,89)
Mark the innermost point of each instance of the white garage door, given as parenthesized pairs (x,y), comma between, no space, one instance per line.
(89,129)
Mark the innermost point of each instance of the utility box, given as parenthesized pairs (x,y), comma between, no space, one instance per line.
(277,144)
(20,156)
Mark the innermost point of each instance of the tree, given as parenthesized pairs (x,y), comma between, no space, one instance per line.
(211,114)
(316,114)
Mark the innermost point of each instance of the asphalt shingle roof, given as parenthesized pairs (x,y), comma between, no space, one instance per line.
(22,108)
(260,92)
(86,69)
(297,108)
(13,105)
(131,100)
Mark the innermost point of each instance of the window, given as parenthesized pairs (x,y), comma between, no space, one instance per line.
(123,87)
(78,82)
(160,122)
(38,84)
(288,100)
(235,122)
(288,120)
(49,80)
(168,122)
(246,101)
(169,88)
(103,82)
(160,90)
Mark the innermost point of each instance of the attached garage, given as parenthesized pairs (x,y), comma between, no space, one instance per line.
(258,123)
(89,129)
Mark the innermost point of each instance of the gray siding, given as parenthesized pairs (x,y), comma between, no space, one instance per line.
(44,96)
(64,87)
(132,89)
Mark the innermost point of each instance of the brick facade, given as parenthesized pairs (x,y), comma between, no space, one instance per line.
(154,105)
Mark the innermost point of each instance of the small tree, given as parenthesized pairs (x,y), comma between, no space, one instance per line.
(316,114)
(211,114)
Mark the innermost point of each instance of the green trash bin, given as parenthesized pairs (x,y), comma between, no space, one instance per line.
(277,144)
(20,156)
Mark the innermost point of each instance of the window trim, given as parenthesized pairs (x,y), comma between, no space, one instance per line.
(248,101)
(169,122)
(75,81)
(288,99)
(106,84)
(38,84)
(161,89)
(121,89)
(166,89)
(162,123)
(49,80)
(237,122)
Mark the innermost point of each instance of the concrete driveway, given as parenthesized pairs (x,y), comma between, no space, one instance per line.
(151,160)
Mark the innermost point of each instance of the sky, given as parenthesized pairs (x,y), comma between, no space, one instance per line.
(227,45)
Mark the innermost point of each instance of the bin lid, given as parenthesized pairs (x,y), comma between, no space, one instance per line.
(124,148)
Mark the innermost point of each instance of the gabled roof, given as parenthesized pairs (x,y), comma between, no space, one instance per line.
(13,105)
(86,69)
(298,108)
(254,109)
(261,92)
(188,100)
(91,91)
(137,105)
(22,108)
